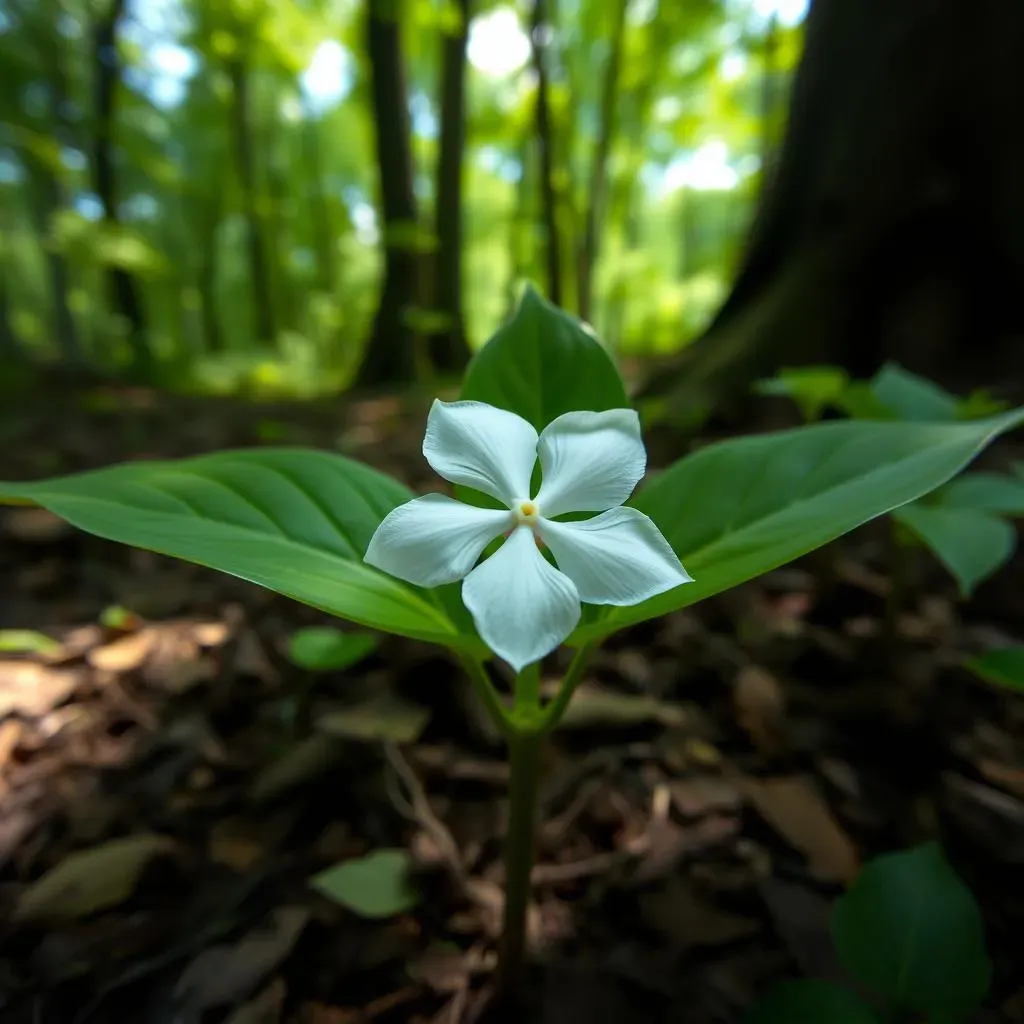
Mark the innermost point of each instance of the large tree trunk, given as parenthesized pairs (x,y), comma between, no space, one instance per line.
(539,28)
(449,351)
(391,350)
(320,219)
(124,291)
(894,224)
(593,218)
(241,134)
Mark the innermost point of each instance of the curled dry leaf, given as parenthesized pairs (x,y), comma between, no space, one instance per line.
(793,806)
(91,880)
(593,707)
(33,690)
(125,654)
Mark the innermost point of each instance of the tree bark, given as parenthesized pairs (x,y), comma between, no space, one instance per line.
(320,219)
(594,215)
(391,349)
(893,224)
(449,350)
(539,27)
(124,291)
(241,135)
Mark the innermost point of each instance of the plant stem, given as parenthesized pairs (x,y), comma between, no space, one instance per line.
(527,689)
(488,694)
(524,762)
(554,711)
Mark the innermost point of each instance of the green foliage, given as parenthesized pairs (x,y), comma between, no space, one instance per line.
(1003,667)
(375,886)
(910,929)
(294,521)
(810,1002)
(962,523)
(739,508)
(27,641)
(326,649)
(543,363)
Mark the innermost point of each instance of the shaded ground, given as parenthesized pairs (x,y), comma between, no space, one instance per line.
(718,780)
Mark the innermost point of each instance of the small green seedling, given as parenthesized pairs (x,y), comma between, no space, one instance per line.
(27,641)
(554,537)
(911,933)
(964,524)
(1002,667)
(327,649)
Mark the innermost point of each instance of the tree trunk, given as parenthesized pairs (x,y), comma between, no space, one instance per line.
(391,350)
(124,292)
(320,219)
(893,226)
(241,134)
(449,350)
(539,27)
(599,165)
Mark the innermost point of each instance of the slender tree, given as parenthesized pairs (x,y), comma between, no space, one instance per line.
(391,350)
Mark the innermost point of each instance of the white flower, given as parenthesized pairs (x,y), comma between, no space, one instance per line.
(522,605)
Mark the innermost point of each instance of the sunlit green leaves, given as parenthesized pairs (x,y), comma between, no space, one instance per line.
(292,520)
(737,509)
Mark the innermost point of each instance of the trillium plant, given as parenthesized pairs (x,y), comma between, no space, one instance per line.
(553,536)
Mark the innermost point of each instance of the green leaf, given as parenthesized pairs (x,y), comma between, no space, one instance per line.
(809,1002)
(27,641)
(326,649)
(543,363)
(910,929)
(376,886)
(742,507)
(913,398)
(970,544)
(294,521)
(986,492)
(811,387)
(1003,666)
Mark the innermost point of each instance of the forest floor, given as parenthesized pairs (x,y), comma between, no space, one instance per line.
(720,777)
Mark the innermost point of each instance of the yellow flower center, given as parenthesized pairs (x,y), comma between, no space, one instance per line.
(526,512)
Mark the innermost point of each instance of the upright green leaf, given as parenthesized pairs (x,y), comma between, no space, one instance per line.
(543,363)
(987,492)
(912,397)
(1003,666)
(971,544)
(739,508)
(294,521)
(809,1002)
(909,928)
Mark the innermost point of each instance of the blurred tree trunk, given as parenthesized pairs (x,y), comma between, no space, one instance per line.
(893,224)
(593,218)
(240,112)
(521,227)
(390,356)
(209,268)
(320,219)
(449,350)
(124,291)
(540,29)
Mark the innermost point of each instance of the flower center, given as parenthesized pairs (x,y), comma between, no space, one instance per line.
(526,512)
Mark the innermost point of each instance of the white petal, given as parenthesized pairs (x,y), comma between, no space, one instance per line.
(618,557)
(522,605)
(433,540)
(477,445)
(591,461)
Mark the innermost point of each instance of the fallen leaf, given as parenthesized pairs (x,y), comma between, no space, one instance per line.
(34,525)
(211,634)
(33,690)
(760,708)
(265,1008)
(793,806)
(312,757)
(125,654)
(90,880)
(592,706)
(381,716)
(377,885)
(688,919)
(225,973)
(704,794)
(443,966)
(667,843)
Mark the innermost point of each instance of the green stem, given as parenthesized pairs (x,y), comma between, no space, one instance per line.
(553,712)
(527,689)
(488,694)
(524,763)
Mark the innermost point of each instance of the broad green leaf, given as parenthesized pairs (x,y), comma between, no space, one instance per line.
(1003,666)
(739,508)
(543,363)
(375,886)
(970,544)
(913,398)
(986,492)
(910,929)
(294,521)
(326,649)
(809,1002)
